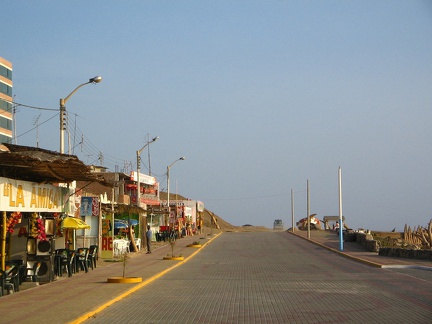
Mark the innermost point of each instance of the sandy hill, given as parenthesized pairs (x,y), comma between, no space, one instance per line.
(209,216)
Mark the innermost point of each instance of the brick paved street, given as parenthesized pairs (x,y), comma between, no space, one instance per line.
(275,277)
(245,277)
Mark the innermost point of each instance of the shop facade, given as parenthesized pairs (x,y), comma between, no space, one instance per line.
(31,215)
(37,194)
(123,223)
(184,217)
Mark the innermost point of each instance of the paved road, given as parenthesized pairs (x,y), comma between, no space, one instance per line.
(276,277)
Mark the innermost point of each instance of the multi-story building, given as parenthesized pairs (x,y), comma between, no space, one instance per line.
(5,101)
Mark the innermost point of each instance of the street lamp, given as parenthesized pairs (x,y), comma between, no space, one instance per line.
(138,169)
(168,182)
(96,79)
(138,203)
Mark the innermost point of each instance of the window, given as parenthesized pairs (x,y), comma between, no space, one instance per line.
(5,105)
(4,88)
(5,72)
(5,139)
(5,123)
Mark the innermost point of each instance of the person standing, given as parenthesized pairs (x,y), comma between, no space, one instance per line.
(149,235)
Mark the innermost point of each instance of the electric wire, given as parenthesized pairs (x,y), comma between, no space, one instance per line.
(88,148)
(28,106)
(32,129)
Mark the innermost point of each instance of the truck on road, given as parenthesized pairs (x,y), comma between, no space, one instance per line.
(278,225)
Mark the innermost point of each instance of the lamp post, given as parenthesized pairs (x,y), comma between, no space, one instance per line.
(168,182)
(96,79)
(138,169)
(138,203)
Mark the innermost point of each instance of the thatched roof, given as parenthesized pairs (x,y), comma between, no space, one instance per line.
(42,166)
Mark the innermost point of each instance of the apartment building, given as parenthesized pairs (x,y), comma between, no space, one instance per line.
(6,119)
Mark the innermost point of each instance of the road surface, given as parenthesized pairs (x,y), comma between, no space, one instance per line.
(275,277)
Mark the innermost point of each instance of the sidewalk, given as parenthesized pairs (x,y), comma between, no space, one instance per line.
(69,299)
(353,250)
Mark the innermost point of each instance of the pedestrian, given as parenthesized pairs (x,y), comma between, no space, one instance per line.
(149,235)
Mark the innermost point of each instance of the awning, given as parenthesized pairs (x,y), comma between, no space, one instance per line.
(74,223)
(133,222)
(120,224)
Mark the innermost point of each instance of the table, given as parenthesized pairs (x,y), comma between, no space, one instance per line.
(120,247)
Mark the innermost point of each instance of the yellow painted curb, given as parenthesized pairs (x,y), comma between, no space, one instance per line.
(124,280)
(179,258)
(194,245)
(92,313)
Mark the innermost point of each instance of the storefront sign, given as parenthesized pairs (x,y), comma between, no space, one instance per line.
(188,212)
(200,206)
(17,195)
(107,237)
(89,206)
(150,202)
(143,177)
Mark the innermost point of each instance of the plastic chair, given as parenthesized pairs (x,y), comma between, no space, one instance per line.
(71,262)
(5,284)
(82,259)
(65,259)
(21,271)
(2,282)
(92,256)
(58,271)
(12,281)
(138,243)
(32,273)
(116,249)
(60,261)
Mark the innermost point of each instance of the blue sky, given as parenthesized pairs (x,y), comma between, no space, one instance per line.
(259,96)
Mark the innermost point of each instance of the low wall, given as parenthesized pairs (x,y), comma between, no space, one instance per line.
(393,235)
(406,253)
(367,241)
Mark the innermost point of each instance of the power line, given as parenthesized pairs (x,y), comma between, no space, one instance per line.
(87,147)
(36,126)
(28,106)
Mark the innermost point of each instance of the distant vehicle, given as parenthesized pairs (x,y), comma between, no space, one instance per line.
(278,225)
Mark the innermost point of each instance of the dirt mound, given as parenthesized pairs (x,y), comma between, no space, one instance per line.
(209,218)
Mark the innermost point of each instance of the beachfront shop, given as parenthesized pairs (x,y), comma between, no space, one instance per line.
(185,217)
(30,213)
(87,209)
(122,229)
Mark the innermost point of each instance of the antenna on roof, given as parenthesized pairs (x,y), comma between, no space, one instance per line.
(36,122)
